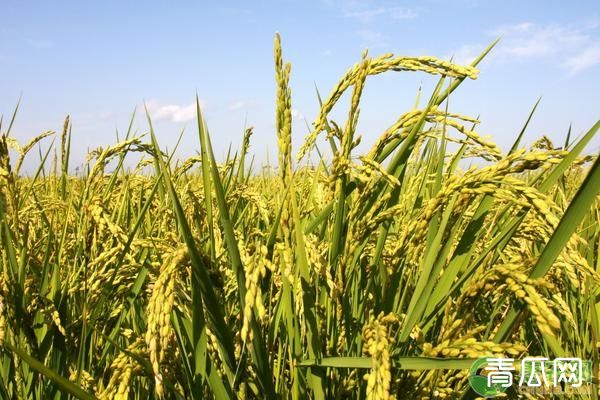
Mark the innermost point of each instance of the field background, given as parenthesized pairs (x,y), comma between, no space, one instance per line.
(374,274)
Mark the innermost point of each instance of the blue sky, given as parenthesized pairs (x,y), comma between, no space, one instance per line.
(97,61)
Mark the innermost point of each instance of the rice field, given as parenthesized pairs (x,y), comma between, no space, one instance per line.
(356,276)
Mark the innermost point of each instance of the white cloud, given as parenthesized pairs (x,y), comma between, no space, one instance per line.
(372,38)
(366,12)
(297,115)
(571,47)
(465,55)
(243,105)
(533,40)
(589,57)
(402,13)
(171,112)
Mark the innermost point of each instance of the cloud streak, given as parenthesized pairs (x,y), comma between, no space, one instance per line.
(574,48)
(365,12)
(402,13)
(588,58)
(368,14)
(372,38)
(171,112)
(532,40)
(465,54)
(297,115)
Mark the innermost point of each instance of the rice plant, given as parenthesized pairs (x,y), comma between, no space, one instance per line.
(356,276)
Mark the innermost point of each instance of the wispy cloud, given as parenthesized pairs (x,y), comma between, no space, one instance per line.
(171,112)
(465,54)
(588,58)
(242,105)
(528,39)
(402,13)
(572,47)
(297,115)
(371,38)
(366,12)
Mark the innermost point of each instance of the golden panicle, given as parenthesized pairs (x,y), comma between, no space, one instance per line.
(377,341)
(122,370)
(378,65)
(27,148)
(255,269)
(160,306)
(284,111)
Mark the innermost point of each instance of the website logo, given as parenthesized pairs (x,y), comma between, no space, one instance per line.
(490,377)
